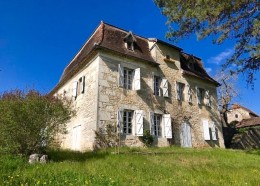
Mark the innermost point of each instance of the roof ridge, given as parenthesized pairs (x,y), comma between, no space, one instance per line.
(124,30)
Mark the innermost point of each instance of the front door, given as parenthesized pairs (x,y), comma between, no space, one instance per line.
(76,137)
(186,135)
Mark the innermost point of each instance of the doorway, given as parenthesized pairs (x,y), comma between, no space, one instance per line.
(186,135)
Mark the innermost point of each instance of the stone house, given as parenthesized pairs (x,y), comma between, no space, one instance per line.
(139,84)
(239,113)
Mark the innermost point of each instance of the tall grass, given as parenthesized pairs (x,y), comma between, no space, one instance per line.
(153,166)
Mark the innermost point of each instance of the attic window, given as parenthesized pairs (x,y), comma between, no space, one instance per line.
(191,65)
(129,40)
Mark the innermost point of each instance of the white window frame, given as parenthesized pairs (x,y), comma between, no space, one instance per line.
(128,78)
(127,125)
(157,85)
(179,91)
(207,97)
(200,95)
(157,125)
(82,84)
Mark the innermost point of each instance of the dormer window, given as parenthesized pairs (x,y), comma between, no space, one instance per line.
(168,56)
(191,63)
(129,40)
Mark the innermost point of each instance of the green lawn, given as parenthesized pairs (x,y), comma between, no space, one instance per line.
(155,166)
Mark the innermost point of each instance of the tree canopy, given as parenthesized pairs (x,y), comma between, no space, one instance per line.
(30,121)
(234,19)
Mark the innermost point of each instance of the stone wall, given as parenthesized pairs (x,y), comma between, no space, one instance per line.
(249,139)
(85,105)
(112,97)
(239,112)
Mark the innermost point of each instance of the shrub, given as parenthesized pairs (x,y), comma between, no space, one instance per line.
(147,138)
(29,121)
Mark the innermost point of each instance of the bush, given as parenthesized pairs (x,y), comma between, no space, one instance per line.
(147,138)
(29,121)
(107,137)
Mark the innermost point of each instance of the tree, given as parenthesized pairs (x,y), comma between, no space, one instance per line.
(226,93)
(30,121)
(238,20)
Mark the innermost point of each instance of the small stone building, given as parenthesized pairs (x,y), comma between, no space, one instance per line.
(138,84)
(239,113)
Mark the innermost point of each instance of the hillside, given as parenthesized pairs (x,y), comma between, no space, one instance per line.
(156,166)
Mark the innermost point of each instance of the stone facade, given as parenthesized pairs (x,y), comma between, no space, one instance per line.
(104,98)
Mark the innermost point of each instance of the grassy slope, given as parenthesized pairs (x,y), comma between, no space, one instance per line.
(158,166)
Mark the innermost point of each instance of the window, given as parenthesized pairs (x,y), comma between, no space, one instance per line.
(168,56)
(207,97)
(157,85)
(130,45)
(82,85)
(236,115)
(189,93)
(128,78)
(160,86)
(157,125)
(127,121)
(200,95)
(210,131)
(130,122)
(78,87)
(179,91)
(129,40)
(160,125)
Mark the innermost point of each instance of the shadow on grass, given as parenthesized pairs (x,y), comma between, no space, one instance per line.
(67,155)
(253,151)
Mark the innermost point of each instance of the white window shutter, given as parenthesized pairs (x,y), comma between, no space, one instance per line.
(137,79)
(167,126)
(120,121)
(74,88)
(198,95)
(178,92)
(120,76)
(82,85)
(213,131)
(165,87)
(206,130)
(189,93)
(139,122)
(152,123)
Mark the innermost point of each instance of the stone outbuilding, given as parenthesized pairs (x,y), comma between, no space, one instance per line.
(135,83)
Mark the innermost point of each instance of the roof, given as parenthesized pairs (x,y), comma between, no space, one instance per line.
(110,38)
(197,70)
(237,106)
(254,121)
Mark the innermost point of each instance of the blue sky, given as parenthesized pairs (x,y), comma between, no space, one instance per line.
(38,38)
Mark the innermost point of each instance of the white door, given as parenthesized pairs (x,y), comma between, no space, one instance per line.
(76,132)
(186,135)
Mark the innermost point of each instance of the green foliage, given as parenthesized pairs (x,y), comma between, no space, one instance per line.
(238,20)
(149,166)
(107,137)
(29,121)
(147,138)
